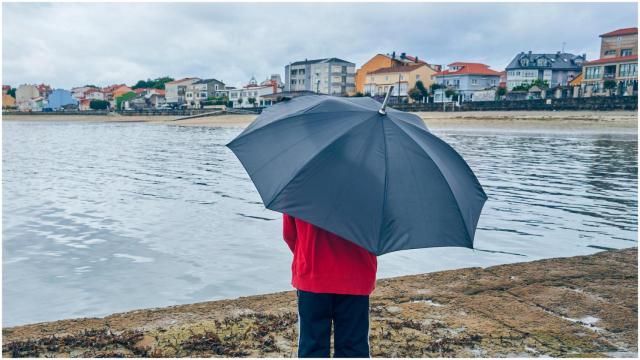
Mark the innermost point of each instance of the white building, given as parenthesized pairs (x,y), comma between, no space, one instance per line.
(175,91)
(251,95)
(25,92)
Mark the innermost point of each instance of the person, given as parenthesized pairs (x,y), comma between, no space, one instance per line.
(334,278)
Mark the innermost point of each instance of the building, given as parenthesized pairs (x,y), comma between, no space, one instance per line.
(465,78)
(274,79)
(556,69)
(59,98)
(94,94)
(380,61)
(202,90)
(26,92)
(8,101)
(34,104)
(616,71)
(121,90)
(252,95)
(330,76)
(175,90)
(403,78)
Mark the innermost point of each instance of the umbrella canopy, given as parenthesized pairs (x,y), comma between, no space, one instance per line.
(380,180)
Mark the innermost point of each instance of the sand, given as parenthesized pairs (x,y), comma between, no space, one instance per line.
(598,121)
(582,306)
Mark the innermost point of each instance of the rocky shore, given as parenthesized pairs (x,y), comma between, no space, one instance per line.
(580,306)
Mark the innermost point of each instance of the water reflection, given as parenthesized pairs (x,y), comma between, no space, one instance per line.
(101,217)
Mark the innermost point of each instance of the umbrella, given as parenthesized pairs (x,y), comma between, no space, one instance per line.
(374,176)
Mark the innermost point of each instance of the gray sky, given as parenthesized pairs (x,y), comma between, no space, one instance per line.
(69,45)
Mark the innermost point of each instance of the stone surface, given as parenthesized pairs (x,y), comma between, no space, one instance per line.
(569,307)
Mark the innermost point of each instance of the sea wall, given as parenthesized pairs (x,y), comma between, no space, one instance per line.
(598,103)
(579,306)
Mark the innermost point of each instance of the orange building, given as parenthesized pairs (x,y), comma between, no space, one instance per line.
(384,61)
(121,90)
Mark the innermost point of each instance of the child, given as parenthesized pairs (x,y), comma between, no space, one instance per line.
(334,278)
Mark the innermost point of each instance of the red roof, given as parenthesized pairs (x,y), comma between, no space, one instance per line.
(468,69)
(397,69)
(625,31)
(613,59)
(6,87)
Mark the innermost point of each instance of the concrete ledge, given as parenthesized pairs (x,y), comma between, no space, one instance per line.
(580,306)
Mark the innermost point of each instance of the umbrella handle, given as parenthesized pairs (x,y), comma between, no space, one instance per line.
(383,110)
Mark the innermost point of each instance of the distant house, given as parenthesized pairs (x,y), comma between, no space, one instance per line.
(330,76)
(252,95)
(8,101)
(5,89)
(556,69)
(121,90)
(59,98)
(380,61)
(94,94)
(618,64)
(84,105)
(202,90)
(26,92)
(465,78)
(34,104)
(402,78)
(176,90)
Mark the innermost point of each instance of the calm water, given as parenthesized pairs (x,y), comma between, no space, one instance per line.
(99,218)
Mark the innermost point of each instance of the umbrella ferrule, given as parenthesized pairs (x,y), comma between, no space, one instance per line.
(383,109)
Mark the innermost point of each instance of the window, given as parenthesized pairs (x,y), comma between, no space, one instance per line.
(417,77)
(609,52)
(386,78)
(625,52)
(401,77)
(542,62)
(203,95)
(592,73)
(628,70)
(524,62)
(474,81)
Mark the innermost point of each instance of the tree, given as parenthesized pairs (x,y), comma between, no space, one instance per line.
(99,104)
(501,92)
(12,92)
(452,94)
(422,89)
(358,94)
(252,101)
(157,83)
(609,85)
(415,94)
(91,86)
(435,87)
(240,101)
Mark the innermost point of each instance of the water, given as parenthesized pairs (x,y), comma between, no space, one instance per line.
(107,217)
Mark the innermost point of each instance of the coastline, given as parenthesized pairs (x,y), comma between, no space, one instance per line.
(577,306)
(561,121)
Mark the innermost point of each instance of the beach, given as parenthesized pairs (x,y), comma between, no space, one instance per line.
(583,306)
(609,121)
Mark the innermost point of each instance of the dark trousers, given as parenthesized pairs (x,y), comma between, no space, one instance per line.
(350,317)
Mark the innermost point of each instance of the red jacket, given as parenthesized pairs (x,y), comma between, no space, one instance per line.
(326,263)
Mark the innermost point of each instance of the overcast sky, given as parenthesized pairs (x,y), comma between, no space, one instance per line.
(68,45)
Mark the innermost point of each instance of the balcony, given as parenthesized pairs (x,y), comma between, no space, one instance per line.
(608,76)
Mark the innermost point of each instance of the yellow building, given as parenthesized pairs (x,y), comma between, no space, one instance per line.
(403,78)
(380,61)
(8,101)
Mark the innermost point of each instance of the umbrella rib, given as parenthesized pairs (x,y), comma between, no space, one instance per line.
(313,158)
(466,228)
(384,191)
